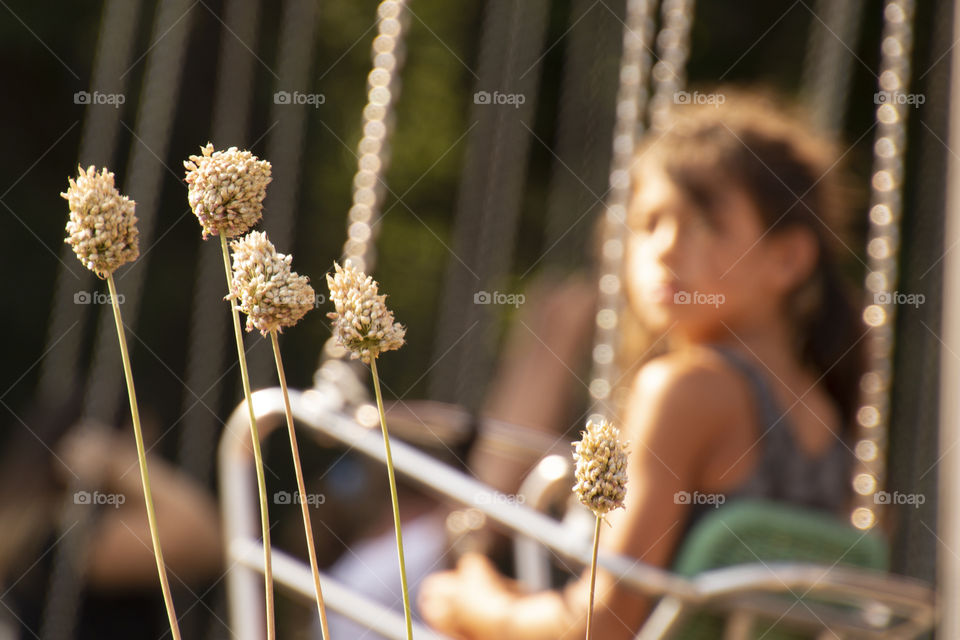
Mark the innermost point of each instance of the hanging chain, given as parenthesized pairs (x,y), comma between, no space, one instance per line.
(668,77)
(160,91)
(60,367)
(886,199)
(631,103)
(206,339)
(373,151)
(828,65)
(669,74)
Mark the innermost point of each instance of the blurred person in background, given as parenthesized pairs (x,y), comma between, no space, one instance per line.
(121,597)
(732,266)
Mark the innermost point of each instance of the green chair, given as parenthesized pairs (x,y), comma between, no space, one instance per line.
(758,569)
(778,572)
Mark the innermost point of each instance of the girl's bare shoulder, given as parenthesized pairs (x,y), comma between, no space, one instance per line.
(694,389)
(698,370)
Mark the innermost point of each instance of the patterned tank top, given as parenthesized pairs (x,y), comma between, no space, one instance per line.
(784,472)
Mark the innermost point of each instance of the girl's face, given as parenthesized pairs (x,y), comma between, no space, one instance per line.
(697,274)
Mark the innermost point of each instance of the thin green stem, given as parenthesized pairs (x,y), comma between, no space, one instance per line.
(142,456)
(301,487)
(393,497)
(255,441)
(593,577)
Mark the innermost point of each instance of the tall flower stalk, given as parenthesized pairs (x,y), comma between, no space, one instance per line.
(601,485)
(365,327)
(103,233)
(274,297)
(226,191)
(257,453)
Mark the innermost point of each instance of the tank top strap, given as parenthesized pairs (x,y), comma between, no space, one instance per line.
(772,417)
(784,472)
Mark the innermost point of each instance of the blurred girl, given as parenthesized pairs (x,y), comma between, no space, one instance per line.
(732,264)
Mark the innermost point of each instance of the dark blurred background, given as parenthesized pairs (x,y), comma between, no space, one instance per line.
(47,52)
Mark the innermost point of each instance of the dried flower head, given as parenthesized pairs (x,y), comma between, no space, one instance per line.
(601,468)
(362,323)
(103,227)
(272,296)
(226,189)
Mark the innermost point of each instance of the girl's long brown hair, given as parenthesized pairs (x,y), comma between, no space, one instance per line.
(792,176)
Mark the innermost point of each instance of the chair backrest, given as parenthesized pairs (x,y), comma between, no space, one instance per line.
(759,531)
(748,531)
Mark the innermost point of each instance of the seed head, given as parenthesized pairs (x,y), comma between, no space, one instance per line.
(362,323)
(103,226)
(601,468)
(264,287)
(226,189)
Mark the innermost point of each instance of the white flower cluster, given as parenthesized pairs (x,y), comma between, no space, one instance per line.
(226,189)
(264,287)
(601,468)
(362,323)
(103,227)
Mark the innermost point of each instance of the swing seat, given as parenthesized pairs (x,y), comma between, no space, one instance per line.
(737,555)
(749,566)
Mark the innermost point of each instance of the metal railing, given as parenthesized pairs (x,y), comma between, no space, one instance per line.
(744,592)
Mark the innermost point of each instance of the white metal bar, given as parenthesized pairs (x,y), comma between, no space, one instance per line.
(297,578)
(313,408)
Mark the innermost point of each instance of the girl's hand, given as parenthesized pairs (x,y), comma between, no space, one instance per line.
(468,601)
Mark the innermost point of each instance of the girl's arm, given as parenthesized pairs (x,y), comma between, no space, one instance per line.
(676,413)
